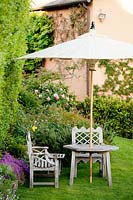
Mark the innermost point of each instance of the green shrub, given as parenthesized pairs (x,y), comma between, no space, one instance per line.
(44,89)
(7,183)
(50,127)
(113,114)
(28,99)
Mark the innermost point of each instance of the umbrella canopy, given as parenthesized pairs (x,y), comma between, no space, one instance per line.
(89,46)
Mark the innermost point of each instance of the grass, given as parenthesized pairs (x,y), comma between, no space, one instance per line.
(122,176)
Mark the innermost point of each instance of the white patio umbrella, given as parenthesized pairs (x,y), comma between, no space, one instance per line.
(92,47)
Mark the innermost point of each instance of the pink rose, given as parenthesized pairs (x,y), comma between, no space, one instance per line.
(48,99)
(56,96)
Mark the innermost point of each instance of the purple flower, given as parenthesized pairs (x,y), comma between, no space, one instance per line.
(19,167)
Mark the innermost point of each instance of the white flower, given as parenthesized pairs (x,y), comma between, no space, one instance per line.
(36,91)
(63,96)
(40,95)
(67,98)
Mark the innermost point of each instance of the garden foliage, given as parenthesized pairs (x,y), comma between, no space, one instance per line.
(13,21)
(112,113)
(39,36)
(47,110)
(8,183)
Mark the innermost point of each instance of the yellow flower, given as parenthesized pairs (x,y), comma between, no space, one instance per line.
(34,128)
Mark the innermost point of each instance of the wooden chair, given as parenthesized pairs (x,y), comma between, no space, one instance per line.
(43,161)
(82,136)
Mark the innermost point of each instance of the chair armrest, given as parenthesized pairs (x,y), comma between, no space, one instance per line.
(39,147)
(37,154)
(57,155)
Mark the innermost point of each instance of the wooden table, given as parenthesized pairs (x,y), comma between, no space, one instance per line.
(84,148)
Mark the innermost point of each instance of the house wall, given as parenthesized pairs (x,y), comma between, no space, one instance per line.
(117,25)
(75,79)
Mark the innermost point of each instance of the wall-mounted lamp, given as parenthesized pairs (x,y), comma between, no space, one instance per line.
(101,16)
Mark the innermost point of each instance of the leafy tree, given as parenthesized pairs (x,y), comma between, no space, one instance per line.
(39,36)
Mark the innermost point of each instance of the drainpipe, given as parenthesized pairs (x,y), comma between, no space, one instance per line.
(87,64)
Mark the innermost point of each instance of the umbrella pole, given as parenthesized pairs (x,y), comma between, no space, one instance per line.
(91,119)
(91,106)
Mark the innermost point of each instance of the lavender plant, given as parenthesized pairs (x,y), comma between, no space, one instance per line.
(20,168)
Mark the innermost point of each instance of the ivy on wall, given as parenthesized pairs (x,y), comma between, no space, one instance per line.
(71,26)
(13,20)
(68,28)
(119,77)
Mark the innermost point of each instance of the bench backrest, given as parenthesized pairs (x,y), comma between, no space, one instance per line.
(82,135)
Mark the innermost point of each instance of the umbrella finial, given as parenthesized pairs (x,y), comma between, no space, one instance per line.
(92,25)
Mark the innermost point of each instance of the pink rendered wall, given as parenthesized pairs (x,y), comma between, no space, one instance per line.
(117,25)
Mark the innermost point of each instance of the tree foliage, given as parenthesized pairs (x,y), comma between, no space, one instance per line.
(39,36)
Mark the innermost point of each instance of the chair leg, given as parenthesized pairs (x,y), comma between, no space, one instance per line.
(100,167)
(31,178)
(57,174)
(60,166)
(75,171)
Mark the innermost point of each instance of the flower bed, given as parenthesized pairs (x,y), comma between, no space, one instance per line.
(12,172)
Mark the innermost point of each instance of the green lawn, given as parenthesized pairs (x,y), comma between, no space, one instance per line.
(122,175)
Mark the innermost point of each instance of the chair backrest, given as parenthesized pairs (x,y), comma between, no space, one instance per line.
(82,135)
(34,149)
(29,143)
(40,158)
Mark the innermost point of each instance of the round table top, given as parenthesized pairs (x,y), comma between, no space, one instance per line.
(94,148)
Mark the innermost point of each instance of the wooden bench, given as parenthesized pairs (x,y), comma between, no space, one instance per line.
(42,161)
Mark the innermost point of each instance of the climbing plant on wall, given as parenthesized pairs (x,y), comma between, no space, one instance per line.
(13,20)
(68,27)
(119,77)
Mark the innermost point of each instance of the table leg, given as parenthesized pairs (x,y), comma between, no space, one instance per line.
(104,167)
(108,169)
(90,168)
(72,171)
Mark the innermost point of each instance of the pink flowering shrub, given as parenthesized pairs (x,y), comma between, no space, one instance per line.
(56,93)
